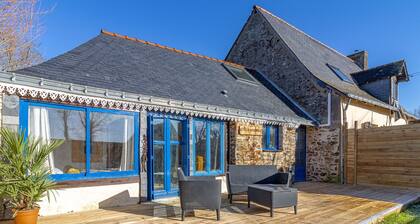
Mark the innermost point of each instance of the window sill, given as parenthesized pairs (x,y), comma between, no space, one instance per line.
(96,182)
(215,174)
(271,150)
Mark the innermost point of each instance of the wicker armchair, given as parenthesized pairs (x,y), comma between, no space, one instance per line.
(199,192)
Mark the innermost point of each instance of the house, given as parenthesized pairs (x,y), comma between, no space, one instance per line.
(336,90)
(131,112)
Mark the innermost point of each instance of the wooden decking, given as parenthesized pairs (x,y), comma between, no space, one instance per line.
(318,203)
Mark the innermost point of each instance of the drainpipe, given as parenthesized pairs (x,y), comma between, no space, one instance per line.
(342,162)
(329,111)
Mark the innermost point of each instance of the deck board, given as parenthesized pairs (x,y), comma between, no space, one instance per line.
(317,203)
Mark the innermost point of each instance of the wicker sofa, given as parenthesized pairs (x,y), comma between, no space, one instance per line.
(239,177)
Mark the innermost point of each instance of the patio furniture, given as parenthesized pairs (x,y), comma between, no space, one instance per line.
(199,192)
(240,176)
(272,196)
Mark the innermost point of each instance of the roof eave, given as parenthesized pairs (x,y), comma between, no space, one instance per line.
(373,102)
(145,101)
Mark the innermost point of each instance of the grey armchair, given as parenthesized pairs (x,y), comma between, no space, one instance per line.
(199,192)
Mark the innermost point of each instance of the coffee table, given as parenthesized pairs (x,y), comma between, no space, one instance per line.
(272,196)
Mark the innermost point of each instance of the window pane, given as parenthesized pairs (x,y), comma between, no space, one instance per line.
(264,137)
(200,145)
(280,139)
(273,136)
(112,142)
(215,151)
(68,125)
(176,158)
(158,130)
(176,130)
(158,166)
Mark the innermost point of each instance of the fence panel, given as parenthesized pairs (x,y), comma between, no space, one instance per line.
(383,156)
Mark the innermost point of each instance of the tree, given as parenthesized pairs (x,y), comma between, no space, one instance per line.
(19,30)
(417,112)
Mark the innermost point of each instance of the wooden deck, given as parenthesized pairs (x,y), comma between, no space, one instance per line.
(318,203)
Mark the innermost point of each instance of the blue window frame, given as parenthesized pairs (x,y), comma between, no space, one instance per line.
(208,147)
(270,138)
(99,143)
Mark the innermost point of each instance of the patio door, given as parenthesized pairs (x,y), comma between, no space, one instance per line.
(168,151)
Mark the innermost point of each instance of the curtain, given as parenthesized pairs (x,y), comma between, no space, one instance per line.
(39,127)
(127,145)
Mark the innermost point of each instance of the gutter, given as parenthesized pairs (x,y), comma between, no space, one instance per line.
(139,101)
(374,102)
(328,110)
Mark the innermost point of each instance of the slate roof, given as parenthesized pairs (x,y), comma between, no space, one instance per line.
(315,56)
(126,64)
(397,68)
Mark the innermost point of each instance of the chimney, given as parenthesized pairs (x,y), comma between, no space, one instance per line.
(360,58)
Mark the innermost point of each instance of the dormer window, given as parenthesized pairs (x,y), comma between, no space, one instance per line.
(340,74)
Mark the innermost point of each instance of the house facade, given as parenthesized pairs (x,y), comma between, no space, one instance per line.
(336,90)
(131,112)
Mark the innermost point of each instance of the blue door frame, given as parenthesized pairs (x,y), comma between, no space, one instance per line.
(300,164)
(167,142)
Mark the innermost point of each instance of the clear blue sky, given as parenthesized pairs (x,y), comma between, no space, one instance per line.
(388,29)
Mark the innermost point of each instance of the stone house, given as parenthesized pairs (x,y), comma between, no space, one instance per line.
(131,112)
(336,90)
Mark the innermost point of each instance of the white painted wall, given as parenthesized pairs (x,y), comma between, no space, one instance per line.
(361,115)
(87,198)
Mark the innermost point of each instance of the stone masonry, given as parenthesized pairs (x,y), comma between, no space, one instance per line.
(323,154)
(246,149)
(258,46)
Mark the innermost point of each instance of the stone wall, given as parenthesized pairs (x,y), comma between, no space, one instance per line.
(323,154)
(247,149)
(259,46)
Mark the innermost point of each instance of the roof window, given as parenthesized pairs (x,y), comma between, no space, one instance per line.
(340,74)
(240,73)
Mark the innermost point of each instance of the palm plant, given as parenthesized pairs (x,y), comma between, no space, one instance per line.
(24,176)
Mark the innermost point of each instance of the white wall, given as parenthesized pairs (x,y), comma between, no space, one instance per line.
(360,114)
(87,198)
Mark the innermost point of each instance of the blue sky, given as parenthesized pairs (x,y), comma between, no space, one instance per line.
(388,29)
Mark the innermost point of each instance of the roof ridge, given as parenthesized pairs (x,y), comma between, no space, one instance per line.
(300,31)
(168,48)
(376,67)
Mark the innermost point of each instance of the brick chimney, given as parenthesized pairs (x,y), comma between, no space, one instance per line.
(360,58)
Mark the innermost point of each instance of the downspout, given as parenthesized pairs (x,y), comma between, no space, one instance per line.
(342,162)
(328,111)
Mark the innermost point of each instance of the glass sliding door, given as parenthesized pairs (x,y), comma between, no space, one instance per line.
(168,152)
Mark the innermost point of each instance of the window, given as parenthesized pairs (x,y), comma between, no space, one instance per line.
(271,137)
(340,74)
(208,147)
(239,73)
(97,142)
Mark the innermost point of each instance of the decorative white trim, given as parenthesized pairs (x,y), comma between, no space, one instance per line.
(28,87)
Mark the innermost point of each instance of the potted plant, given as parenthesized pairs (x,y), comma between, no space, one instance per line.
(24,176)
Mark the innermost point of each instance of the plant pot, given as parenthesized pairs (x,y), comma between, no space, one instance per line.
(27,216)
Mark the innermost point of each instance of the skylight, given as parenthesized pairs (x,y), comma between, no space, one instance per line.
(239,73)
(340,74)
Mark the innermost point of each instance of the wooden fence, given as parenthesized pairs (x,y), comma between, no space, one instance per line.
(383,155)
